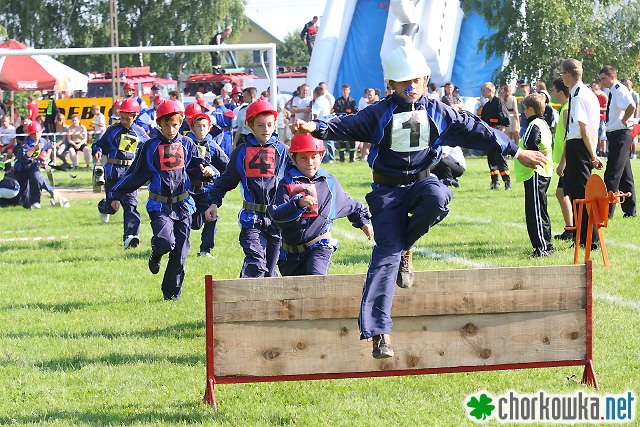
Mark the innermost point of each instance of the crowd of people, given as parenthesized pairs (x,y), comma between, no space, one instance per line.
(412,137)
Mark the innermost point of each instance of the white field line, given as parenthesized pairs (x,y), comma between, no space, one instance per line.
(34,238)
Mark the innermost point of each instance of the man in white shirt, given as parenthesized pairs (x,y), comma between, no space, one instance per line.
(618,175)
(327,94)
(249,94)
(321,109)
(300,105)
(579,156)
(7,136)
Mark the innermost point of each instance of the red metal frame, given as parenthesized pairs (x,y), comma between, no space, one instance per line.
(588,377)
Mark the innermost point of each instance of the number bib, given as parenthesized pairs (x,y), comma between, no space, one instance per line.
(410,131)
(203,150)
(128,143)
(305,190)
(171,156)
(260,162)
(37,151)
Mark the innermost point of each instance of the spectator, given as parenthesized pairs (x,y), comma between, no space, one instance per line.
(249,94)
(309,32)
(525,90)
(22,129)
(512,107)
(7,137)
(495,114)
(99,123)
(602,134)
(636,98)
(433,91)
(32,108)
(450,99)
(327,94)
(217,40)
(345,105)
(77,139)
(321,110)
(301,104)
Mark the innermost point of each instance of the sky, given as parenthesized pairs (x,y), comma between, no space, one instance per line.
(281,17)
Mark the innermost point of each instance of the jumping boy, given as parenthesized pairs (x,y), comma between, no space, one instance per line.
(119,145)
(258,165)
(307,202)
(406,131)
(200,124)
(536,181)
(169,162)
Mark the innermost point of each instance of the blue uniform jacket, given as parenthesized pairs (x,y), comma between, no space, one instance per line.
(258,168)
(23,162)
(119,143)
(169,166)
(406,142)
(299,225)
(213,154)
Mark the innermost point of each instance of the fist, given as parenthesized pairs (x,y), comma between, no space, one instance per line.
(211,214)
(367,229)
(115,204)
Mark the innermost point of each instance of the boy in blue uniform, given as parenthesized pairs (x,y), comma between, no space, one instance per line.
(307,202)
(258,165)
(27,167)
(200,125)
(119,144)
(536,182)
(9,187)
(407,131)
(168,162)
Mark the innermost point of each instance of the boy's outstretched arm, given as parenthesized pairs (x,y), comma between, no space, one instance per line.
(531,159)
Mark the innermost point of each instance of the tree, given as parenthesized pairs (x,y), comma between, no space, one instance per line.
(69,23)
(537,35)
(292,51)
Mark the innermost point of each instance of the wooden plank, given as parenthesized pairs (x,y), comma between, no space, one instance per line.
(451,281)
(333,346)
(405,304)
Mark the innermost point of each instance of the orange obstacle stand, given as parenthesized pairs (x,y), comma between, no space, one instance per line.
(306,327)
(596,202)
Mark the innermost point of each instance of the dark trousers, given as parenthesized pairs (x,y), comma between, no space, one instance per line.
(31,183)
(535,208)
(400,216)
(171,236)
(261,251)
(498,166)
(344,146)
(576,173)
(312,262)
(198,221)
(618,175)
(447,168)
(129,205)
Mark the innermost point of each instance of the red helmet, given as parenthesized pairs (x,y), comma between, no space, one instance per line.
(130,105)
(192,109)
(258,107)
(157,100)
(129,85)
(202,102)
(34,127)
(236,89)
(198,116)
(304,142)
(117,104)
(169,107)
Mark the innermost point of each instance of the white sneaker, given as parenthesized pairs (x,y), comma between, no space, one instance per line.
(131,241)
(205,254)
(104,217)
(65,203)
(35,206)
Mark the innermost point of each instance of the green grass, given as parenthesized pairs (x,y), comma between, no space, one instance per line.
(86,338)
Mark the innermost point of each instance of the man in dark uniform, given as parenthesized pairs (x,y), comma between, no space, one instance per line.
(309,32)
(345,105)
(217,41)
(495,115)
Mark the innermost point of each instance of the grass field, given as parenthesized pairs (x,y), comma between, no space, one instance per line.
(86,338)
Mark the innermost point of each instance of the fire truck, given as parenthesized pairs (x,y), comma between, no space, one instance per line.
(100,84)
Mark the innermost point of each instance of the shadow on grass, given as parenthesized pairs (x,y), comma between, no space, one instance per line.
(75,363)
(186,330)
(101,417)
(65,307)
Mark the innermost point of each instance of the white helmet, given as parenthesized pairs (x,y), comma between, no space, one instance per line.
(405,63)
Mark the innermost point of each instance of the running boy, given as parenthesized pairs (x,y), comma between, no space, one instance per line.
(537,137)
(119,144)
(406,131)
(259,165)
(307,202)
(169,162)
(200,124)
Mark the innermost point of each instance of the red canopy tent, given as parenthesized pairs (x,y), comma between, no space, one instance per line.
(23,72)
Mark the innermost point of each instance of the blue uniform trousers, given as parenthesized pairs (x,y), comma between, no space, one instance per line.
(31,183)
(207,242)
(129,205)
(261,248)
(312,262)
(395,230)
(171,236)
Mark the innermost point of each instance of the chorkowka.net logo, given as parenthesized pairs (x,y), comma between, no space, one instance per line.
(579,407)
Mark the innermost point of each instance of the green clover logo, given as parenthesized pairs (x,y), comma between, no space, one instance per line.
(482,408)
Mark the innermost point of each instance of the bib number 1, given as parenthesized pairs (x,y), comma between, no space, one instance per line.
(410,131)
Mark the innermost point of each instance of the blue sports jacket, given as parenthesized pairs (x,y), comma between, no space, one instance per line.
(213,154)
(407,137)
(119,143)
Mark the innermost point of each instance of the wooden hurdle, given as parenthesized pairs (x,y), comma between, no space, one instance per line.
(306,328)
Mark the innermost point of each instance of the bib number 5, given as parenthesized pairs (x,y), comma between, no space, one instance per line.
(171,156)
(410,131)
